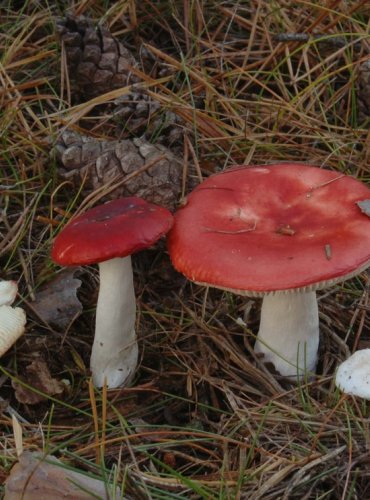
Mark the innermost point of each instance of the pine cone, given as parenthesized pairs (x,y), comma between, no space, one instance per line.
(363,92)
(99,63)
(96,59)
(99,162)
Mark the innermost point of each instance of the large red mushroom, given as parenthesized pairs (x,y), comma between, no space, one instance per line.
(280,232)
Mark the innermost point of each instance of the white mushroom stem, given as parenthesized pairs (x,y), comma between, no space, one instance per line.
(289,332)
(115,351)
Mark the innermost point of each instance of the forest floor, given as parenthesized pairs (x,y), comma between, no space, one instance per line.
(245,82)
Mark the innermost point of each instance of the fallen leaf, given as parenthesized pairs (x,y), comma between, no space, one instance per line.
(44,477)
(364,206)
(57,303)
(37,376)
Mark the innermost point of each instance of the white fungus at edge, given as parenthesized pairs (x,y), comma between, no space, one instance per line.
(353,375)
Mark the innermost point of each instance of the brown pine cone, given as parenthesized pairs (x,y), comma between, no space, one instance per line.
(99,162)
(363,92)
(99,63)
(96,60)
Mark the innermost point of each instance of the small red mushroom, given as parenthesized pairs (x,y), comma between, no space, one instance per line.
(280,232)
(108,234)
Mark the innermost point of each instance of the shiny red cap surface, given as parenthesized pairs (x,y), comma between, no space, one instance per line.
(271,228)
(116,229)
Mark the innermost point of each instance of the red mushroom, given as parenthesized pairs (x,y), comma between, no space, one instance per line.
(278,231)
(108,234)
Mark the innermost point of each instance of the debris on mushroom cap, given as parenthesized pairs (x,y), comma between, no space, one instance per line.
(8,292)
(115,229)
(364,206)
(283,227)
(12,326)
(353,375)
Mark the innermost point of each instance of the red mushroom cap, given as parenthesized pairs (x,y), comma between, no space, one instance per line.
(271,228)
(116,229)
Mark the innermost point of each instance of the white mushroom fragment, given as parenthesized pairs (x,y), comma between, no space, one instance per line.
(12,323)
(12,319)
(353,375)
(8,292)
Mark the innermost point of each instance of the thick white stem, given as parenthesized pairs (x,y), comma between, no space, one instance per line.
(115,351)
(289,332)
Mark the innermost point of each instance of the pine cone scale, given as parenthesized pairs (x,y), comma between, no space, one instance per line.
(92,53)
(108,61)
